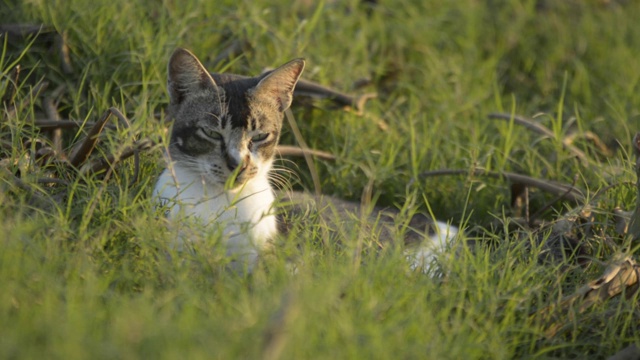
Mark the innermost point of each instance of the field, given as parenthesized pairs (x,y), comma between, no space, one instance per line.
(83,265)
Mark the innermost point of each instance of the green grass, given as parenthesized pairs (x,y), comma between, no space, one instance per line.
(90,278)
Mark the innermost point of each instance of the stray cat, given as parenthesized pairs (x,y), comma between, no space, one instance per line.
(226,128)
(224,136)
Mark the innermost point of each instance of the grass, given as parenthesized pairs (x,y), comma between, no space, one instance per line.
(89,278)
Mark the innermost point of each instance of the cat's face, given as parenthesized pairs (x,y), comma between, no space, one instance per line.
(226,129)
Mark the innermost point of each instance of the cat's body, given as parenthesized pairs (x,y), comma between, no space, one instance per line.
(247,214)
(225,131)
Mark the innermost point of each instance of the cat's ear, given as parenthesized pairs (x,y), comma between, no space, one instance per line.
(187,76)
(277,86)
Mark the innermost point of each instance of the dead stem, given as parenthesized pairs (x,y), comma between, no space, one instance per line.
(543,130)
(303,144)
(590,136)
(558,198)
(288,150)
(84,150)
(25,30)
(569,192)
(620,277)
(47,124)
(107,162)
(312,89)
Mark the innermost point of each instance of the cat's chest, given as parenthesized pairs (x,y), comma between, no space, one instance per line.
(246,216)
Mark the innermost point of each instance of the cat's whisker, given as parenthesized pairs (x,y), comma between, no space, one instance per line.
(280,167)
(279,176)
(283,170)
(287,175)
(280,183)
(289,161)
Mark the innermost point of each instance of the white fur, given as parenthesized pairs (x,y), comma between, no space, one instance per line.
(245,215)
(422,258)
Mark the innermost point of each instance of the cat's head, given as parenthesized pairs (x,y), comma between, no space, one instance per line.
(226,130)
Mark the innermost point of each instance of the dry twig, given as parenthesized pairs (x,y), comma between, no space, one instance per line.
(620,277)
(590,136)
(107,162)
(47,124)
(305,151)
(84,150)
(568,192)
(288,150)
(543,130)
(25,30)
(312,89)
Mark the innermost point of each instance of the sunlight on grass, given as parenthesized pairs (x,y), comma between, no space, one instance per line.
(95,276)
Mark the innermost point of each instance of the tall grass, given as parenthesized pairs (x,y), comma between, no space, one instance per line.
(90,277)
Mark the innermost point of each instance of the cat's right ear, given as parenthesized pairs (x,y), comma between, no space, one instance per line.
(277,86)
(187,76)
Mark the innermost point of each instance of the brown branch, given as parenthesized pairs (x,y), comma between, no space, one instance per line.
(24,30)
(590,136)
(543,130)
(288,150)
(558,198)
(520,120)
(309,88)
(109,161)
(84,150)
(571,193)
(621,276)
(81,153)
(120,116)
(46,124)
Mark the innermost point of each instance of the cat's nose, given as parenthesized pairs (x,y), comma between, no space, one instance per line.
(233,163)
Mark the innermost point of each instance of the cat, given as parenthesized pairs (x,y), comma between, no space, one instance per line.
(225,131)
(223,142)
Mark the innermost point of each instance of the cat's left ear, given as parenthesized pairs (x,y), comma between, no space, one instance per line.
(278,85)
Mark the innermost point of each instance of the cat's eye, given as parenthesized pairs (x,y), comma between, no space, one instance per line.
(259,137)
(211,134)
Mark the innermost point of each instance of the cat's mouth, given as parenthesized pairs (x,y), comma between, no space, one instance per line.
(239,178)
